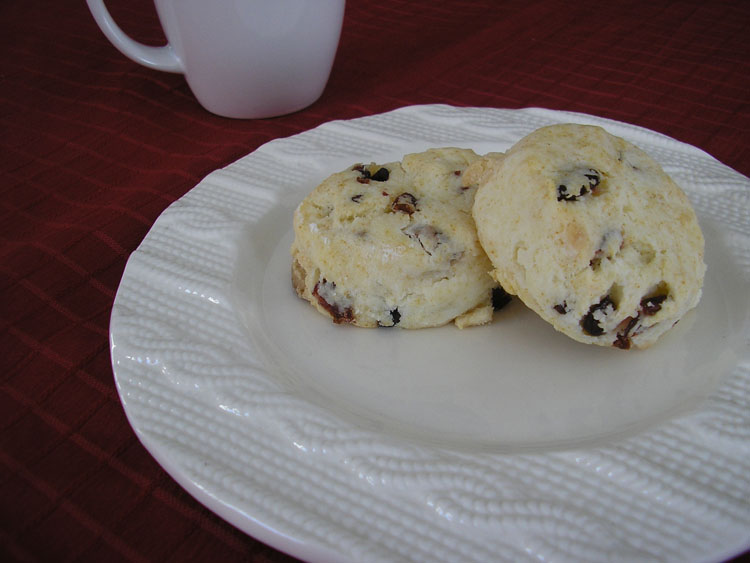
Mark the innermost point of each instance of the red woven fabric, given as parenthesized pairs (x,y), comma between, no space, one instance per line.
(94,147)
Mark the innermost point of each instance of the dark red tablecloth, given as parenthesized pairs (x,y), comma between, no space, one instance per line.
(93,148)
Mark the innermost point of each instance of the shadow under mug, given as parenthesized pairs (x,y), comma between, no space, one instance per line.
(241,58)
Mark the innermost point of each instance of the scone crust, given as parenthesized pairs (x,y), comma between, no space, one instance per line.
(591,234)
(395,247)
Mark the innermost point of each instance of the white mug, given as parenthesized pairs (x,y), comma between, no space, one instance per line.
(241,58)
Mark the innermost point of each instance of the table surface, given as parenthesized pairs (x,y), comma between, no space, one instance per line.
(95,147)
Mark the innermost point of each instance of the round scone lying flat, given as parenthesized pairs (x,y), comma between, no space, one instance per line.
(394,245)
(591,234)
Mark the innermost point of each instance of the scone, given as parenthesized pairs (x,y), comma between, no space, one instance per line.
(394,245)
(591,234)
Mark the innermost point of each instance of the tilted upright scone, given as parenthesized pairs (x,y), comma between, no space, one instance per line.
(394,245)
(591,234)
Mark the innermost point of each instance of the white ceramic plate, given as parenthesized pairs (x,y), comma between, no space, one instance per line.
(507,442)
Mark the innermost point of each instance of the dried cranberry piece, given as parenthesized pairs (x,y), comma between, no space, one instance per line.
(563,195)
(340,314)
(364,174)
(652,305)
(577,183)
(589,322)
(500,298)
(395,316)
(381,175)
(405,203)
(622,340)
(561,308)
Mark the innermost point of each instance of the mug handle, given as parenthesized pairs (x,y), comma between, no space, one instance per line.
(159,58)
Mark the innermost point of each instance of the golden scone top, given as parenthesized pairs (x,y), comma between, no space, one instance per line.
(394,244)
(591,234)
